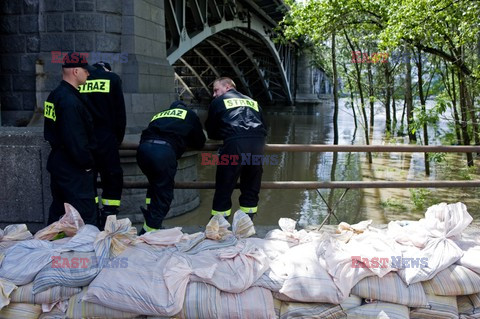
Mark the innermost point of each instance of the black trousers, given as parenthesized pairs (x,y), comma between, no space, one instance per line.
(107,164)
(70,184)
(159,163)
(248,150)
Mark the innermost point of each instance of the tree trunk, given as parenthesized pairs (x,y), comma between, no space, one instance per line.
(352,100)
(458,126)
(335,91)
(362,100)
(463,111)
(423,103)
(409,99)
(388,94)
(371,91)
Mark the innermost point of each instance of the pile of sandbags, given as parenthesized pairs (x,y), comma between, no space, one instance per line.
(417,269)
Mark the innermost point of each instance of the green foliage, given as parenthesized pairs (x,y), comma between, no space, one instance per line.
(394,204)
(419,197)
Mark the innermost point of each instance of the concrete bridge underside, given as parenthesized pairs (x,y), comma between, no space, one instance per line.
(211,38)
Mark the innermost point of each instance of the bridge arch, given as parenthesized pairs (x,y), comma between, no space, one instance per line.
(208,38)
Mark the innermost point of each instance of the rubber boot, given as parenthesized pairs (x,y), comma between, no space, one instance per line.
(251,215)
(148,221)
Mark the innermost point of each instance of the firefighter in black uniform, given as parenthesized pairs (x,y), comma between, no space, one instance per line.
(162,143)
(237,120)
(104,90)
(69,130)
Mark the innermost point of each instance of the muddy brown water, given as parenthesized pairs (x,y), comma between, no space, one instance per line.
(313,125)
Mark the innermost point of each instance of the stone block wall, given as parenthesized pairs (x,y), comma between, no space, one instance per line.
(130,34)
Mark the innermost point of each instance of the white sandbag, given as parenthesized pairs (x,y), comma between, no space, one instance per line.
(217,228)
(408,233)
(78,309)
(24,294)
(253,303)
(161,237)
(378,310)
(289,234)
(236,267)
(272,248)
(441,307)
(345,231)
(6,289)
(40,253)
(116,237)
(471,253)
(371,247)
(442,223)
(242,226)
(306,279)
(15,232)
(154,283)
(390,288)
(69,224)
(338,260)
(456,280)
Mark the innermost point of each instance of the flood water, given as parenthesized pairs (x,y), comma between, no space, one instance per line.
(313,125)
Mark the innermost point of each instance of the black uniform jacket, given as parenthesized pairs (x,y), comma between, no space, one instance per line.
(179,126)
(234,115)
(68,125)
(104,90)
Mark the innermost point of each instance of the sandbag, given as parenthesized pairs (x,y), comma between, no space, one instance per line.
(6,289)
(469,306)
(24,294)
(21,310)
(290,310)
(390,288)
(68,224)
(378,310)
(440,307)
(253,303)
(456,280)
(78,309)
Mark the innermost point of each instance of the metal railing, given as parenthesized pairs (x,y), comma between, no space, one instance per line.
(129,149)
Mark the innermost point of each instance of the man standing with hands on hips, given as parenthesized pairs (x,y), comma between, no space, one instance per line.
(69,130)
(237,120)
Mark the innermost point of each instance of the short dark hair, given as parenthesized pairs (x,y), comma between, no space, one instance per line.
(226,80)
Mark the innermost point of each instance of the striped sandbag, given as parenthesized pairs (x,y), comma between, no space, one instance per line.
(311,310)
(441,307)
(21,310)
(201,301)
(456,280)
(391,288)
(25,294)
(79,274)
(78,309)
(378,310)
(469,306)
(350,302)
(253,303)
